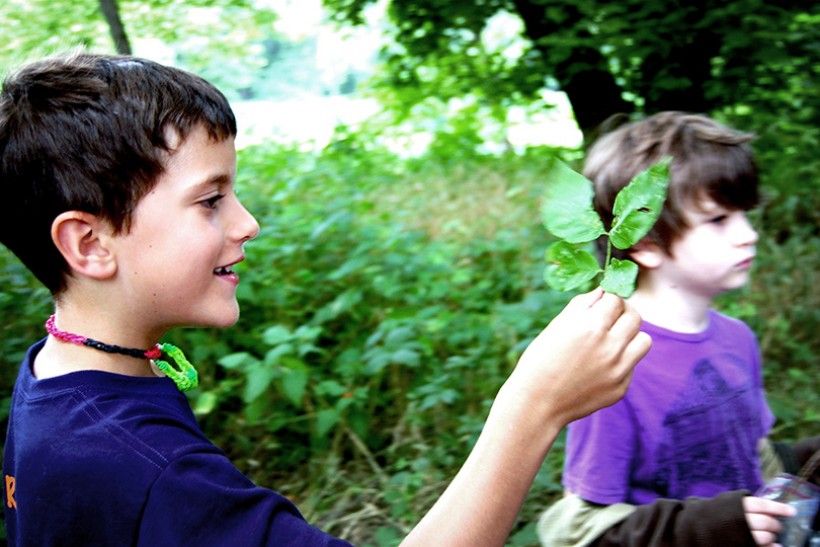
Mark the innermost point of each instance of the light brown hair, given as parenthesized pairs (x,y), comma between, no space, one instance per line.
(709,161)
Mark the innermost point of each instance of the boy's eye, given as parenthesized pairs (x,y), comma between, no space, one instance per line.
(212,202)
(718,219)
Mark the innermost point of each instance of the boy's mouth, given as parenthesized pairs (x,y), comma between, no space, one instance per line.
(227,270)
(226,273)
(745,264)
(223,270)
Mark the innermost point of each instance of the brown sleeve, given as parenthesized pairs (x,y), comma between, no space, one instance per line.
(693,522)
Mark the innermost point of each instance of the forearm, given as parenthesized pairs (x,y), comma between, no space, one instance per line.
(480,505)
(581,362)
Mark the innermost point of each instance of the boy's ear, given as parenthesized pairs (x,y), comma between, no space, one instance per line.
(647,254)
(83,240)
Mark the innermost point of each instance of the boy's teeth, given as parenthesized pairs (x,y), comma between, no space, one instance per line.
(222,270)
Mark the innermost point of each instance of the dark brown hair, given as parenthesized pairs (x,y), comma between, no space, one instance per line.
(87,132)
(709,161)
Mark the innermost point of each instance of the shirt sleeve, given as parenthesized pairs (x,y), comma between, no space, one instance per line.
(202,499)
(600,452)
(694,522)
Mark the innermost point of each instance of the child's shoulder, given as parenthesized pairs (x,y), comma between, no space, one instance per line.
(149,416)
(720,321)
(719,327)
(733,335)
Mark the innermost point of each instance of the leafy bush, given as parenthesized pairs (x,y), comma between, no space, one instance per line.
(366,345)
(383,304)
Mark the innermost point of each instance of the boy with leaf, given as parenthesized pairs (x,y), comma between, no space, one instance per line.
(118,178)
(673,191)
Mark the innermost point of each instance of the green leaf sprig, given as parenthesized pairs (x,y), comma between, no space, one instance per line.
(568,214)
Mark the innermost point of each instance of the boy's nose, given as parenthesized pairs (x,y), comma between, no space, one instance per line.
(245,225)
(744,232)
(252,226)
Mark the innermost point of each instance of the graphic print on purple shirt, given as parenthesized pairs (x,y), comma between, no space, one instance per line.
(688,426)
(695,451)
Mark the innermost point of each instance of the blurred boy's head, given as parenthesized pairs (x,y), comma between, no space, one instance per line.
(91,133)
(710,163)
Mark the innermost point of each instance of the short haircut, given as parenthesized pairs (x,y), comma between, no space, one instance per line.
(88,132)
(709,161)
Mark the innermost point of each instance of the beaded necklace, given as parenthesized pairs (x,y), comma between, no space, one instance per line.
(184,376)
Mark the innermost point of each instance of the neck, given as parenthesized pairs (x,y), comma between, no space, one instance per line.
(110,328)
(60,357)
(670,308)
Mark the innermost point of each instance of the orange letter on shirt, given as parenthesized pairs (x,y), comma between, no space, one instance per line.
(10,492)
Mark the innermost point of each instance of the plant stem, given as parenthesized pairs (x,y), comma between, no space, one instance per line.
(608,252)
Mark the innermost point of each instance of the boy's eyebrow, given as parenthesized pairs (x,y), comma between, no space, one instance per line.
(706,209)
(711,208)
(220,180)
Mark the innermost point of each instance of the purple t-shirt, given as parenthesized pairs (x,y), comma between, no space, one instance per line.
(94,458)
(689,424)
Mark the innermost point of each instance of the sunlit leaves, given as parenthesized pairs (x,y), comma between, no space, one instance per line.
(567,209)
(568,266)
(619,277)
(568,214)
(638,205)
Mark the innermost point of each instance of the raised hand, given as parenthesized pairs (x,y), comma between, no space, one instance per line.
(583,360)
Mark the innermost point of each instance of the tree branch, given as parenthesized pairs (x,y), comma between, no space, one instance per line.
(111,12)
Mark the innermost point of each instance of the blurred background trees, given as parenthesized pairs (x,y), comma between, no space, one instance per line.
(398,274)
(609,58)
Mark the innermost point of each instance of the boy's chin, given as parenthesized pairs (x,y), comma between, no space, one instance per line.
(737,283)
(219,321)
(228,322)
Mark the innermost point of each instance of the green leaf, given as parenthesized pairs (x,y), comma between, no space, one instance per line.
(258,410)
(567,209)
(258,378)
(330,387)
(274,355)
(619,277)
(326,419)
(406,356)
(638,205)
(276,334)
(294,381)
(237,360)
(205,403)
(376,361)
(569,266)
(340,305)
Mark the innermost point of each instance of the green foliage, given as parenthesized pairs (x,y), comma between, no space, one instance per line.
(364,338)
(25,305)
(567,210)
(35,28)
(638,205)
(383,304)
(569,266)
(694,58)
(568,214)
(386,300)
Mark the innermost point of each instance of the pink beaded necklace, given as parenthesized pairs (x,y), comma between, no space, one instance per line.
(184,376)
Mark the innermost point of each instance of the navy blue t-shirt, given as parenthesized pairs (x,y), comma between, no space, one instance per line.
(94,458)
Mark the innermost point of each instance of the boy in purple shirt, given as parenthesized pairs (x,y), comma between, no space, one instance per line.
(695,414)
(118,179)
